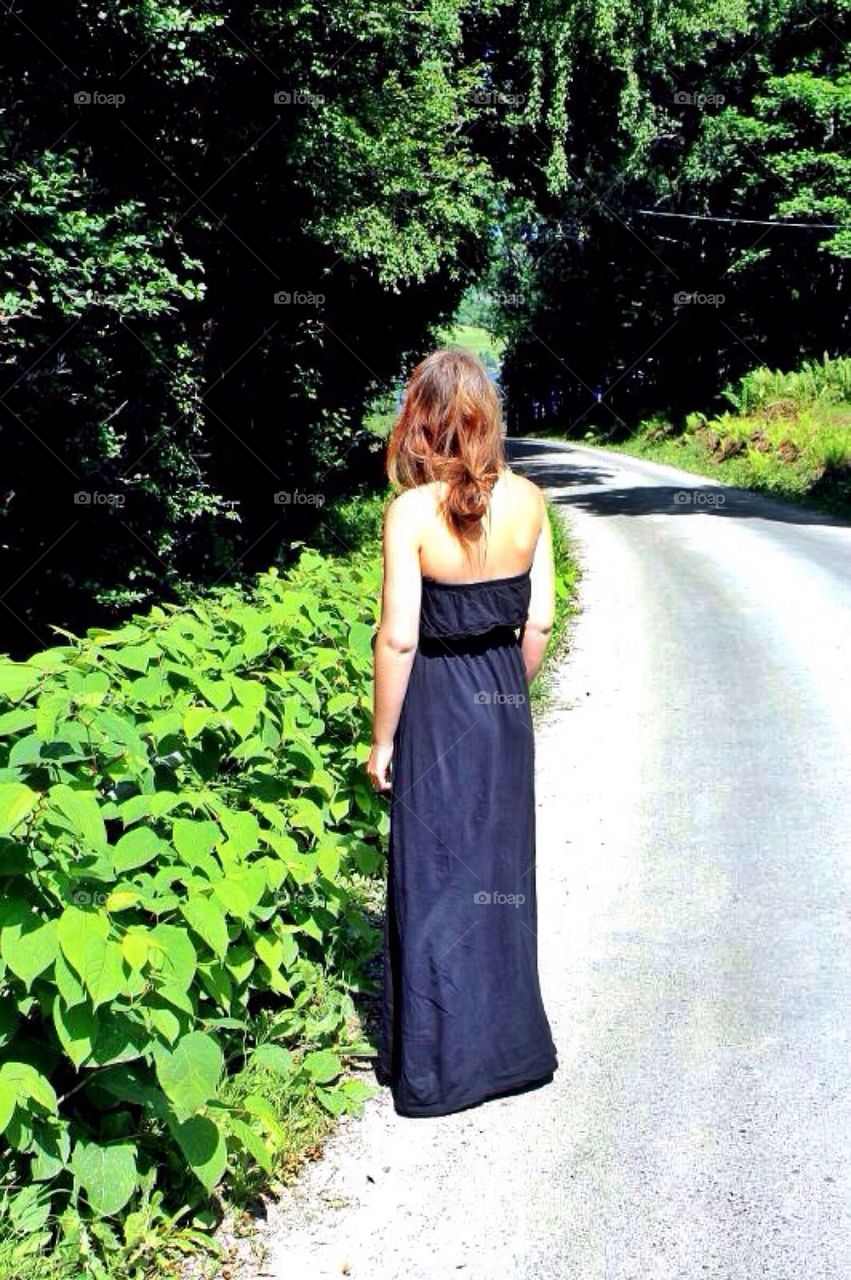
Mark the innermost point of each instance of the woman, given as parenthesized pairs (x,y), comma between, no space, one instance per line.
(467,560)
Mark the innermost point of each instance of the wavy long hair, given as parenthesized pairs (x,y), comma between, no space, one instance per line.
(450,429)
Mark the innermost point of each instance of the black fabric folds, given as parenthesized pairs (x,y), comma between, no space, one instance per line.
(462,1014)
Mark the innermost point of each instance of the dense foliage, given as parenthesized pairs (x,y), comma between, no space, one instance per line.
(224,228)
(228,230)
(787,433)
(188,849)
(727,110)
(184,820)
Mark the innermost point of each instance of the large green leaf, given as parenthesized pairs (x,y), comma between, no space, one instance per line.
(323,1066)
(305,814)
(190,1075)
(29,948)
(76,1028)
(107,1173)
(16,802)
(217,692)
(328,857)
(28,1082)
(241,890)
(252,1142)
(360,640)
(120,1038)
(250,693)
(173,955)
(82,812)
(194,841)
(196,719)
(70,988)
(204,1147)
(242,829)
(136,847)
(83,937)
(148,806)
(208,920)
(275,1057)
(51,1150)
(28,1211)
(243,720)
(8,1099)
(17,679)
(137,657)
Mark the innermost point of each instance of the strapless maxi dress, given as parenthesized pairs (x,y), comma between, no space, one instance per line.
(462,1017)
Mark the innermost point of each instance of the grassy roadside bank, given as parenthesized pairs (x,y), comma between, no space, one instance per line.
(567,579)
(786,435)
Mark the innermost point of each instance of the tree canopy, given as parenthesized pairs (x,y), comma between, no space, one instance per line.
(228,230)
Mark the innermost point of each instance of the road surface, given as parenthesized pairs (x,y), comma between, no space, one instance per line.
(694,847)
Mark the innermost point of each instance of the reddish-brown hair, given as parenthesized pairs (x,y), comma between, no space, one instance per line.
(450,429)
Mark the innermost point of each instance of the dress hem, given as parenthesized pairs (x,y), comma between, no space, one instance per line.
(473,1100)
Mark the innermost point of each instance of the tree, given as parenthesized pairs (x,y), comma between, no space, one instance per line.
(634,113)
(224,233)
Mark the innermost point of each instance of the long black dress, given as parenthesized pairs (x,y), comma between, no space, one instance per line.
(462,1015)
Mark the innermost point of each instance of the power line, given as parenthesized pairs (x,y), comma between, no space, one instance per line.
(753,222)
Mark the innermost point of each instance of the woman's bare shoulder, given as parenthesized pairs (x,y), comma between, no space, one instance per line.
(410,505)
(417,496)
(525,488)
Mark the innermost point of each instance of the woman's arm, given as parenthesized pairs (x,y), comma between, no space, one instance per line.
(398,632)
(539,621)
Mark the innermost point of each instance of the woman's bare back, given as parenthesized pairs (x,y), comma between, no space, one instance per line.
(506,536)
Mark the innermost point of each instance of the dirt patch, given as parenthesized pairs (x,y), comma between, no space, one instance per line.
(728,448)
(759,440)
(775,409)
(707,439)
(788,451)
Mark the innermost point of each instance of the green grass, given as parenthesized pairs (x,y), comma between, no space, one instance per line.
(787,435)
(804,459)
(567,575)
(474,339)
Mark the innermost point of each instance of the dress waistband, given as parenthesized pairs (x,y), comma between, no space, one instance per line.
(496,637)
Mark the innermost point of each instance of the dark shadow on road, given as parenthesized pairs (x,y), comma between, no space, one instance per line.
(543,464)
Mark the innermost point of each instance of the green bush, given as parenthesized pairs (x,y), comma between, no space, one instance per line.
(827,381)
(184,823)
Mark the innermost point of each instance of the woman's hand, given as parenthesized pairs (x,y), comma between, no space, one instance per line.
(378,765)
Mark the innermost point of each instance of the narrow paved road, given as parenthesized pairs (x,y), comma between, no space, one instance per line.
(694,930)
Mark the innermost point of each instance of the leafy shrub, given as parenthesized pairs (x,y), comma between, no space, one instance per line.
(184,820)
(827,380)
